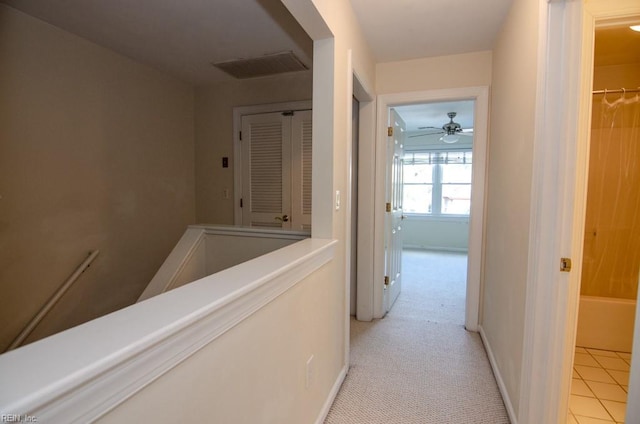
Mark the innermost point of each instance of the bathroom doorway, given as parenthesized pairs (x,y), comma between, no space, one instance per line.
(611,249)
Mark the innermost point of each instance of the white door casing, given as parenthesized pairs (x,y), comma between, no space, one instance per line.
(563,115)
(374,306)
(394,217)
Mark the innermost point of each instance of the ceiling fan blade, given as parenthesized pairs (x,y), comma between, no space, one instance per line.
(422,135)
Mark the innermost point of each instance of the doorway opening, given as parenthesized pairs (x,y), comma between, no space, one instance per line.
(611,246)
(478,98)
(436,180)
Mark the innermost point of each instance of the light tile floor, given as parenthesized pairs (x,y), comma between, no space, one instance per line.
(599,386)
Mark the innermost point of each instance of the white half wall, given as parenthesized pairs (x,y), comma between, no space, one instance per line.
(232,347)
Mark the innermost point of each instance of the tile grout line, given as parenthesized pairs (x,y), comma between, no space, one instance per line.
(600,366)
(610,375)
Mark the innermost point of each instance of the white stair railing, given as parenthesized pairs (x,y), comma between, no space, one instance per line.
(52,301)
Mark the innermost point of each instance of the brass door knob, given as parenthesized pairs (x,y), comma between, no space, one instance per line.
(283,218)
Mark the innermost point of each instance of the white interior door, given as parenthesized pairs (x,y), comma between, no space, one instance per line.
(266,179)
(276,170)
(394,217)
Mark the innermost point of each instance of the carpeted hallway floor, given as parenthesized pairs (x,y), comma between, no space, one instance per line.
(419,364)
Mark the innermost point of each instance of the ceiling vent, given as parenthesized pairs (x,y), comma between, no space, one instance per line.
(278,63)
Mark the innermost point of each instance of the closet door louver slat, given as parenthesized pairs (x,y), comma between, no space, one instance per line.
(266,168)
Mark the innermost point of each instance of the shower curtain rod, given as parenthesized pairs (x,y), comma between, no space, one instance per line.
(617,91)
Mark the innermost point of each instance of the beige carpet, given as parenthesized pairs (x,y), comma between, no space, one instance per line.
(419,364)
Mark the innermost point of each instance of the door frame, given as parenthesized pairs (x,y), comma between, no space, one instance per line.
(360,89)
(480,94)
(561,152)
(238,113)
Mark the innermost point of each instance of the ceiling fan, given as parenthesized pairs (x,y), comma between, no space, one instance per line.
(451,130)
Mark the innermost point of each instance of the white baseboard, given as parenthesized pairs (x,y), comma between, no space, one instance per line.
(332,396)
(435,248)
(496,372)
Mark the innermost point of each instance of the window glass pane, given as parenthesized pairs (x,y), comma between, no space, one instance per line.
(456,199)
(420,173)
(456,173)
(417,198)
(462,157)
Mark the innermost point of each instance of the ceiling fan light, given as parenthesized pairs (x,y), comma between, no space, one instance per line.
(450,138)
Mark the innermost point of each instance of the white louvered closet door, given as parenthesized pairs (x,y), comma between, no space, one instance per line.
(266,179)
(276,170)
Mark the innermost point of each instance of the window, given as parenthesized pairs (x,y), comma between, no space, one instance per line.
(437,183)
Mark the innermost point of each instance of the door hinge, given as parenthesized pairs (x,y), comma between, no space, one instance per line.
(565,264)
(388,208)
(386,280)
(241,202)
(390,131)
(240,135)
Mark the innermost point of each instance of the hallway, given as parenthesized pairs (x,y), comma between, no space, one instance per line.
(419,364)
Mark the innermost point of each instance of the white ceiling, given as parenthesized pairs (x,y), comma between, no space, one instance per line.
(409,29)
(182,37)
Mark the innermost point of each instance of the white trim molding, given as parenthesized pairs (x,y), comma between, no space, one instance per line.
(540,386)
(324,412)
(79,375)
(508,404)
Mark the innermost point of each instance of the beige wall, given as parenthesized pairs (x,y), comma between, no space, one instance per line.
(463,70)
(214,135)
(96,152)
(514,85)
(612,231)
(255,372)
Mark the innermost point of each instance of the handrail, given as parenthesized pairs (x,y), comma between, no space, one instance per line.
(52,301)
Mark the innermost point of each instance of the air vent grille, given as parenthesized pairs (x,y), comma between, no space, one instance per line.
(262,66)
